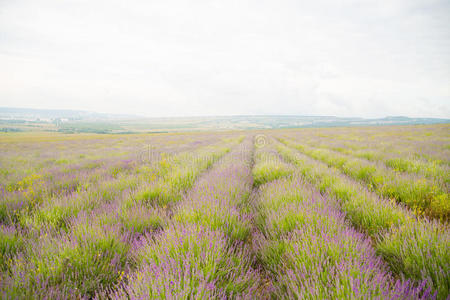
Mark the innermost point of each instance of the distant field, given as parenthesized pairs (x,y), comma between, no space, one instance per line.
(329,213)
(26,120)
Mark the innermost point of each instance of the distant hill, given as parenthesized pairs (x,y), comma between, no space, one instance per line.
(73,121)
(52,114)
(271,122)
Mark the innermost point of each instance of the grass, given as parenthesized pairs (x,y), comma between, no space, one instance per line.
(269,168)
(89,260)
(142,219)
(215,218)
(419,251)
(11,242)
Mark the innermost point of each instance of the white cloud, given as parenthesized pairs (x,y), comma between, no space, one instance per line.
(177,57)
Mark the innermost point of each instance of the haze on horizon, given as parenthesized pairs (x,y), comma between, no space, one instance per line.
(362,58)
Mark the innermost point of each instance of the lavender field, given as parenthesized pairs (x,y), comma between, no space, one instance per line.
(331,213)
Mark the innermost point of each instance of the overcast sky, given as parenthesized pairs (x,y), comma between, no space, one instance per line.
(366,58)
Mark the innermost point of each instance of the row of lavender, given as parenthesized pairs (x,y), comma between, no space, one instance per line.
(37,174)
(425,145)
(414,248)
(308,247)
(202,253)
(78,245)
(424,196)
(29,155)
(434,169)
(421,151)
